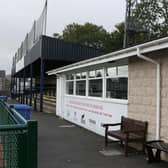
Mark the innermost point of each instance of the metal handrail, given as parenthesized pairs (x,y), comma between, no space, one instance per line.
(13,127)
(12,111)
(18,142)
(19,115)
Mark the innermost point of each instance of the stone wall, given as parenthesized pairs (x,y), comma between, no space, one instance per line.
(142,93)
(164,98)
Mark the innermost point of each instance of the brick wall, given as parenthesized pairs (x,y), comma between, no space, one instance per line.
(142,93)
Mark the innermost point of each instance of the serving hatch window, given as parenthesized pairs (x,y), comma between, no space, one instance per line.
(81,84)
(70,84)
(96,83)
(117,82)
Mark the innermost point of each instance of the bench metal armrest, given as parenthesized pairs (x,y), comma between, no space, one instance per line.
(148,142)
(107,125)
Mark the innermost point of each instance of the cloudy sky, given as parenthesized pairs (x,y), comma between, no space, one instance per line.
(17,16)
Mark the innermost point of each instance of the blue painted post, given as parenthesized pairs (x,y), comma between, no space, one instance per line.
(26,99)
(16,87)
(31,83)
(41,84)
(24,86)
(11,86)
(19,87)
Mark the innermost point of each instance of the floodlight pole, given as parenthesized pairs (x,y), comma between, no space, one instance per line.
(130,4)
(45,23)
(127,17)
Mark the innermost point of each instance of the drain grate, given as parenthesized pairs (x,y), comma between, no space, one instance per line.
(113,152)
(66,126)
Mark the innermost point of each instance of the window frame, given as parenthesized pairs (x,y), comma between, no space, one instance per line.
(104,78)
(69,80)
(114,76)
(81,79)
(96,78)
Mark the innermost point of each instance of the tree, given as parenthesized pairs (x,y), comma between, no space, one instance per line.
(151,16)
(88,34)
(149,21)
(164,18)
(95,36)
(117,36)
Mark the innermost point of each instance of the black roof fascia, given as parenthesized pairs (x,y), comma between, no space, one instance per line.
(59,51)
(56,49)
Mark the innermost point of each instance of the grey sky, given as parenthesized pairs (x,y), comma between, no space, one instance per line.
(17,16)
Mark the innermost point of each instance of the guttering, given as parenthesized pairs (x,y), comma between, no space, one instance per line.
(158,115)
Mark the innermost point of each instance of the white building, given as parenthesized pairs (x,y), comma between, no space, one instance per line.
(131,82)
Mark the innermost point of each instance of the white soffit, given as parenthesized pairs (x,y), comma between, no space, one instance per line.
(124,53)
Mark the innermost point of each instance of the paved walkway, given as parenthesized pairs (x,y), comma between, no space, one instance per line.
(75,147)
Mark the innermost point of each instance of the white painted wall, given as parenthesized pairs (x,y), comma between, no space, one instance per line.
(89,113)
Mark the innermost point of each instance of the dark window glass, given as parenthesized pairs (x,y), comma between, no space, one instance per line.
(83,75)
(96,73)
(99,73)
(117,88)
(78,76)
(95,87)
(81,87)
(70,77)
(69,87)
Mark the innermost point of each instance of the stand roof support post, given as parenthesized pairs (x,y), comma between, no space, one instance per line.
(41,84)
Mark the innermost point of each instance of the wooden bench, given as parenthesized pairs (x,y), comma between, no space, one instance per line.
(131,131)
(160,146)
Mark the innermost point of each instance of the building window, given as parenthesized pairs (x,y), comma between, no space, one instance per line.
(70,77)
(96,83)
(70,84)
(81,84)
(114,80)
(117,88)
(112,71)
(81,88)
(117,82)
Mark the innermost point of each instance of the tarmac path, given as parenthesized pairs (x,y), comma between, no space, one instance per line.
(63,145)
